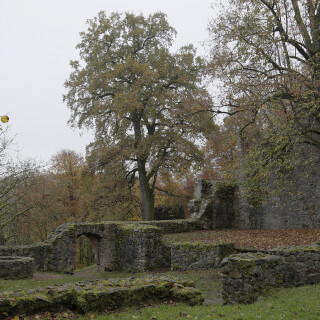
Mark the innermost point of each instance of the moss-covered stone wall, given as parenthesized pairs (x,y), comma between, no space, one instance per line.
(133,247)
(300,265)
(198,255)
(139,248)
(93,296)
(246,275)
(39,252)
(12,267)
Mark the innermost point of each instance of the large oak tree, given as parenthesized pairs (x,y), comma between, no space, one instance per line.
(145,103)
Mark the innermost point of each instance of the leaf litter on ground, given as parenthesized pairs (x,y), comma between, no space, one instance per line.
(245,238)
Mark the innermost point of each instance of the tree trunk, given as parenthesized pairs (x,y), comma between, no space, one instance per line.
(146,193)
(2,239)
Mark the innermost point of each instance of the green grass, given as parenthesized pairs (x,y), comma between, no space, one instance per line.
(207,281)
(10,285)
(291,304)
(288,304)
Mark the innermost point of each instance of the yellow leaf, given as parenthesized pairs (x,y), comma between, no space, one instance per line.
(4,119)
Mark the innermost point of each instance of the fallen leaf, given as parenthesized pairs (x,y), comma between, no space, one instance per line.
(4,119)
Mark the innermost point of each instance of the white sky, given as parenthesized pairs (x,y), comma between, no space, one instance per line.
(38,39)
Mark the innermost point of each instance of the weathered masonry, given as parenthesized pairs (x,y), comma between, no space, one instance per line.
(246,276)
(222,206)
(12,267)
(137,247)
(198,255)
(93,296)
(133,247)
(118,246)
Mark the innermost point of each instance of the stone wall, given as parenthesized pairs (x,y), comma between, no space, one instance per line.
(63,240)
(298,206)
(119,246)
(139,248)
(214,205)
(39,252)
(92,296)
(123,246)
(198,255)
(300,265)
(245,276)
(12,267)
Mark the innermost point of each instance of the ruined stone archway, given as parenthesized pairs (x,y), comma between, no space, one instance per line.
(64,243)
(122,246)
(87,253)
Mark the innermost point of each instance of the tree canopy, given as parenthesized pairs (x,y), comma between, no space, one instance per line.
(145,103)
(265,53)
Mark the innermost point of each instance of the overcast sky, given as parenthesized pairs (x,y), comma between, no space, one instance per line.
(38,39)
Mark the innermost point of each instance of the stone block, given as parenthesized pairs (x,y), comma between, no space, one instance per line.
(246,275)
(314,278)
(14,267)
(198,255)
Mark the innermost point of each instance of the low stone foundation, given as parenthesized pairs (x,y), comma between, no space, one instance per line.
(300,265)
(12,267)
(39,252)
(198,255)
(91,296)
(245,276)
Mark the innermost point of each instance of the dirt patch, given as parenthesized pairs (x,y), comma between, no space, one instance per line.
(46,276)
(87,274)
(216,300)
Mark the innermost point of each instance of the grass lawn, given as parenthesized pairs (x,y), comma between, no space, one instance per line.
(294,303)
(207,281)
(288,304)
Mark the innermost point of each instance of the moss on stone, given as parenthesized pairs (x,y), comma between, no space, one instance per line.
(176,267)
(245,266)
(98,295)
(72,227)
(225,249)
(195,245)
(138,227)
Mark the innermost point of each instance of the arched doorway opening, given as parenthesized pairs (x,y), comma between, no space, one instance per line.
(87,250)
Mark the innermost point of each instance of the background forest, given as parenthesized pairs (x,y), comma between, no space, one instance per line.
(157,124)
